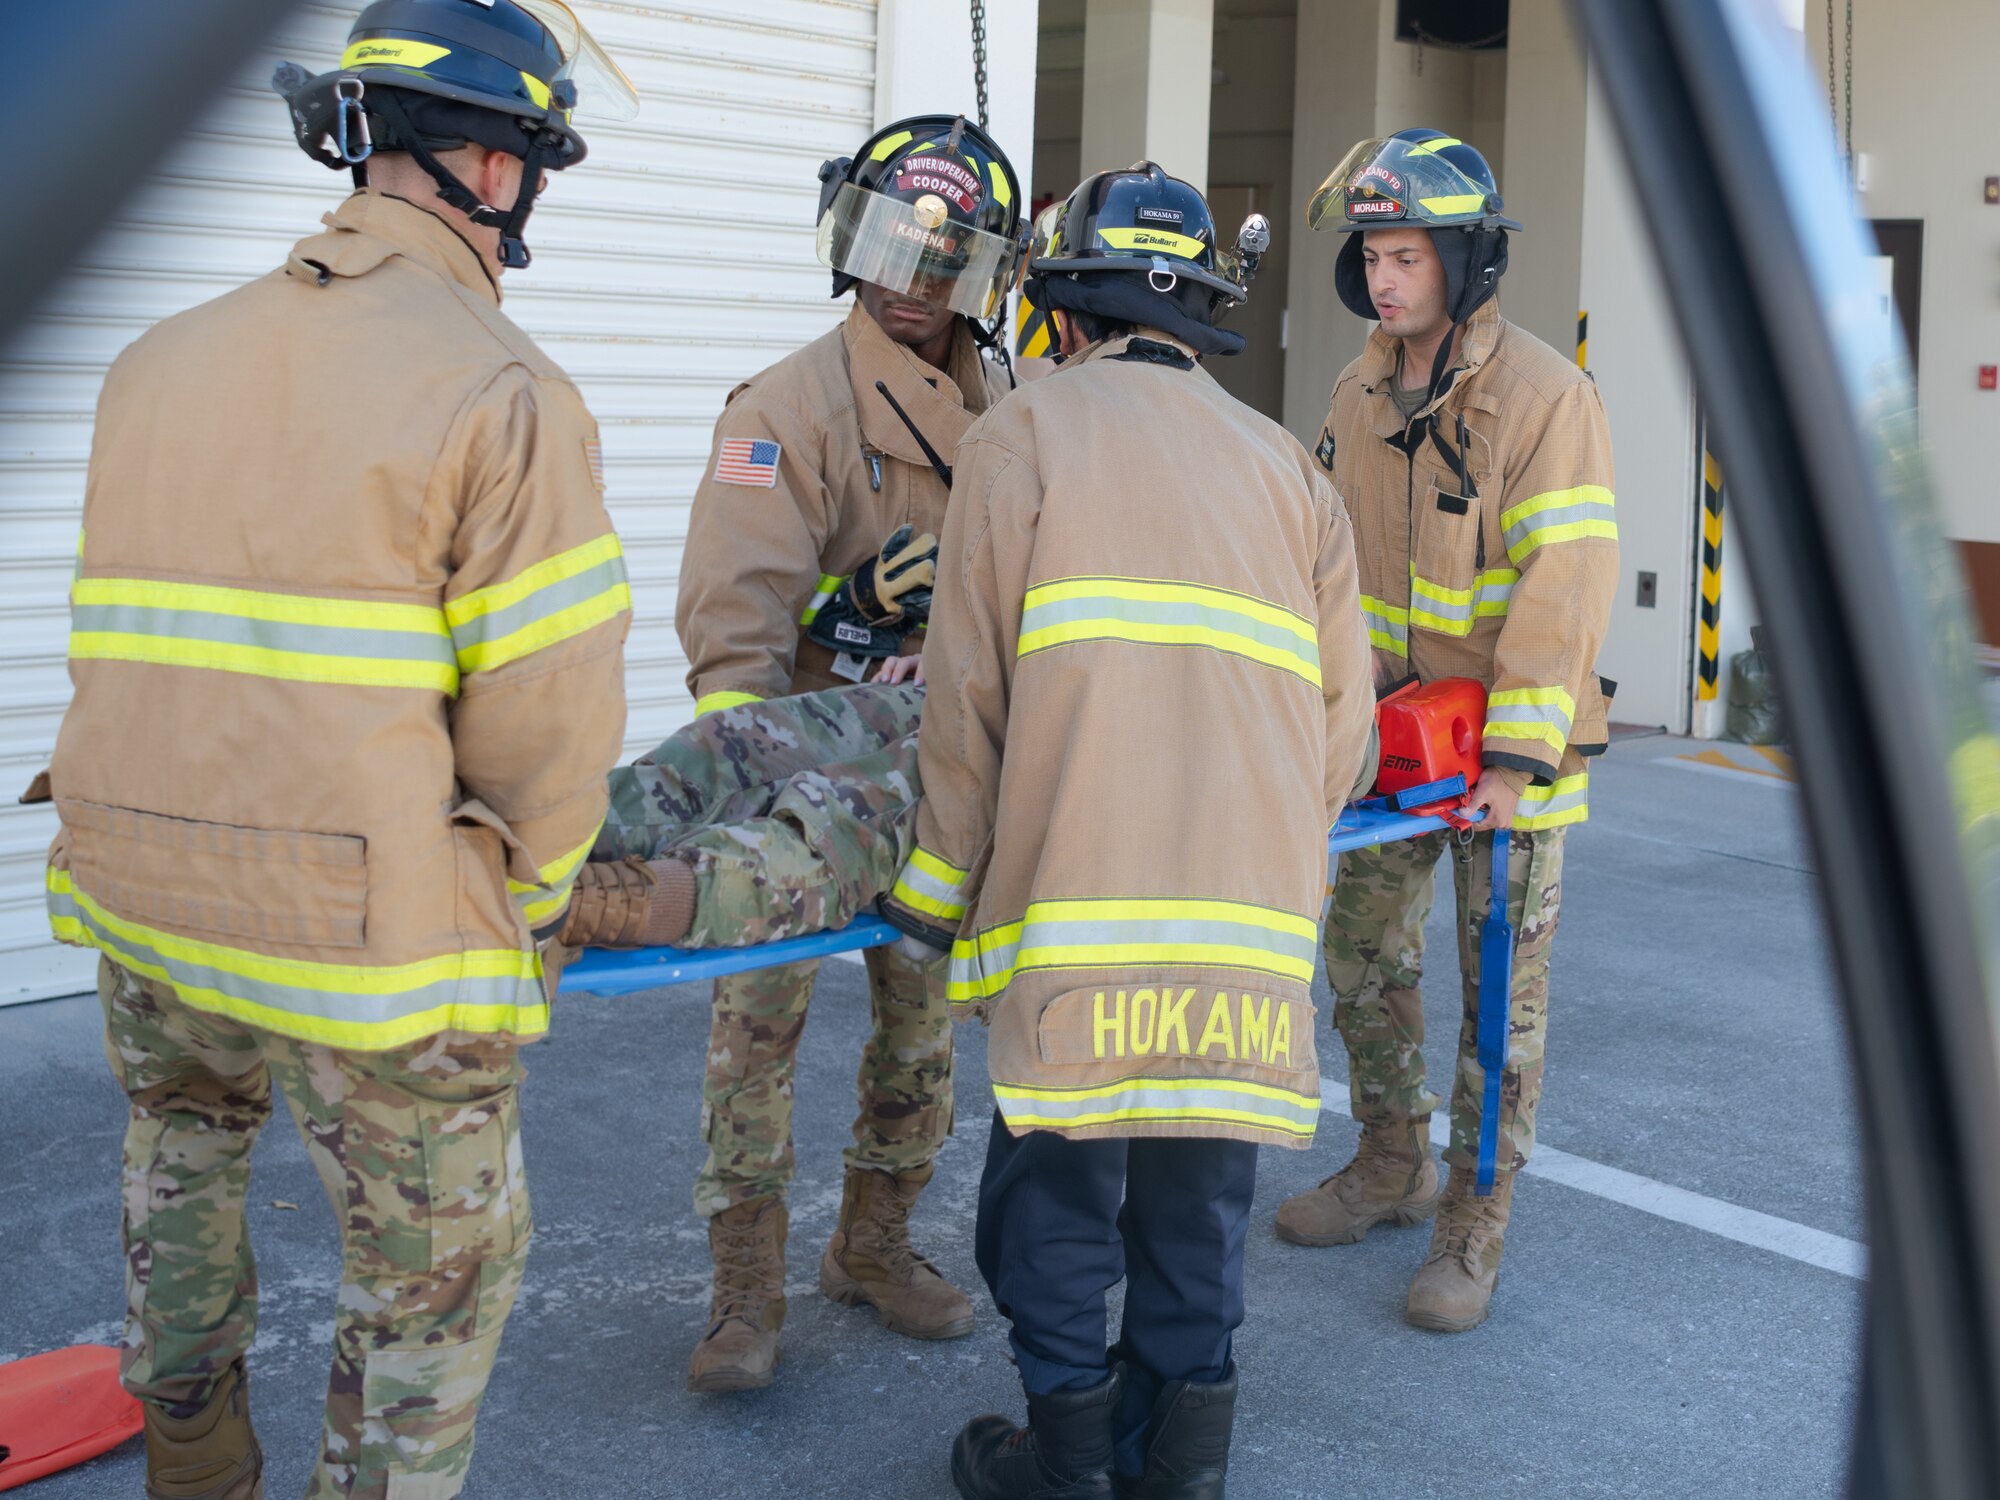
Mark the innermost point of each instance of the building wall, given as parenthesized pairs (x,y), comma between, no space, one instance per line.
(673,264)
(1250,170)
(1642,375)
(1927,118)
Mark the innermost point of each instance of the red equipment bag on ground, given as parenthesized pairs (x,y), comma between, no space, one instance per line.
(1430,732)
(61,1408)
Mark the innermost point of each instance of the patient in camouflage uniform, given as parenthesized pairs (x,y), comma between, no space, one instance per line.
(764,821)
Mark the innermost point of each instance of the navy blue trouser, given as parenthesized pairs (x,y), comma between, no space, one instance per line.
(1060,1221)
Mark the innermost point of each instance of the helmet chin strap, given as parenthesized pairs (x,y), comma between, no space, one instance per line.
(542,145)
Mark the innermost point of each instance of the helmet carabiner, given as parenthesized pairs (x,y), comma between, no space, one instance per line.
(347,107)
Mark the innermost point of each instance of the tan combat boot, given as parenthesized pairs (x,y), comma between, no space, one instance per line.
(740,1350)
(1453,1290)
(212,1455)
(871,1263)
(1391,1177)
(630,903)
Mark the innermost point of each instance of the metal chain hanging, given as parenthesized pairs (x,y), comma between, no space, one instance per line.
(979,57)
(1841,109)
(1847,116)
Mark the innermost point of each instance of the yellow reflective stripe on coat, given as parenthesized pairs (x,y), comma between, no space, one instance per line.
(709,703)
(1194,1101)
(364,1008)
(931,885)
(1540,713)
(829,585)
(1147,933)
(1162,612)
(1388,625)
(1564,800)
(291,637)
(1454,611)
(1557,516)
(542,606)
(538,903)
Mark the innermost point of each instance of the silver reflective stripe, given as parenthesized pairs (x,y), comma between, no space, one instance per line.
(1141,1098)
(1555,515)
(1167,612)
(1388,627)
(1540,805)
(269,635)
(929,886)
(1529,713)
(345,1006)
(539,605)
(1152,943)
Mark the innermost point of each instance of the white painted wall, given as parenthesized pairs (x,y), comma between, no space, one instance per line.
(1642,374)
(1547,125)
(923,65)
(1146,82)
(1927,115)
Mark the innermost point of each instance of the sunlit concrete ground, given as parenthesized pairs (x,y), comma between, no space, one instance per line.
(1693,1042)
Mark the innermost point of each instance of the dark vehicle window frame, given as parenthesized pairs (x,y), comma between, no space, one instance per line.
(1812,404)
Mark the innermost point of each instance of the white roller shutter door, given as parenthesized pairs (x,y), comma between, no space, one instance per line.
(676,262)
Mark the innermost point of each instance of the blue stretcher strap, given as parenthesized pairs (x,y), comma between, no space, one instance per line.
(625,971)
(1496,975)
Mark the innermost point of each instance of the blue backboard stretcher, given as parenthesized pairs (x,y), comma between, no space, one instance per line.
(626,971)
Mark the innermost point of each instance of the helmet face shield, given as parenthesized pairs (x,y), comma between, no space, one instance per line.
(603,92)
(916,249)
(1395,180)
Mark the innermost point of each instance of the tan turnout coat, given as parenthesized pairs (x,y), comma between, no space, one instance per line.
(347,643)
(848,474)
(1148,698)
(1510,583)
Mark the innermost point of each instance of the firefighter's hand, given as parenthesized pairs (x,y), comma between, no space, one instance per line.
(1496,794)
(897,579)
(897,669)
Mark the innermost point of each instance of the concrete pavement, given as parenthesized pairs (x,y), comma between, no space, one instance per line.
(1694,1043)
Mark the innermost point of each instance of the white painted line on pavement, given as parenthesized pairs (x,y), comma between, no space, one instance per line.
(1729,1221)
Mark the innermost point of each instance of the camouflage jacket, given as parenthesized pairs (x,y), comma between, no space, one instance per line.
(1148,698)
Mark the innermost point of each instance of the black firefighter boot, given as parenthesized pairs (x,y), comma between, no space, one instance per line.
(1187,1443)
(1064,1453)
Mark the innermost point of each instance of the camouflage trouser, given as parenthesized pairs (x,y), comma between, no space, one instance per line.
(1374,960)
(419,1151)
(797,813)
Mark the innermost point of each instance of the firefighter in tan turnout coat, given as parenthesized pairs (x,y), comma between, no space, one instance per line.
(1148,699)
(347,643)
(1476,463)
(808,564)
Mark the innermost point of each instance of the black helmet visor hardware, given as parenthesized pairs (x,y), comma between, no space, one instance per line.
(916,249)
(1416,177)
(929,207)
(435,75)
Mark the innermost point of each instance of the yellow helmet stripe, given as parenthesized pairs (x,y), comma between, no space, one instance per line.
(1139,238)
(392,52)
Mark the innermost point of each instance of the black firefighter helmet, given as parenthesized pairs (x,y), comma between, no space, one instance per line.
(1138,246)
(426,76)
(930,208)
(1418,178)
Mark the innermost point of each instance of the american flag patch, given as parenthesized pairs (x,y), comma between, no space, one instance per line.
(593,455)
(748,461)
